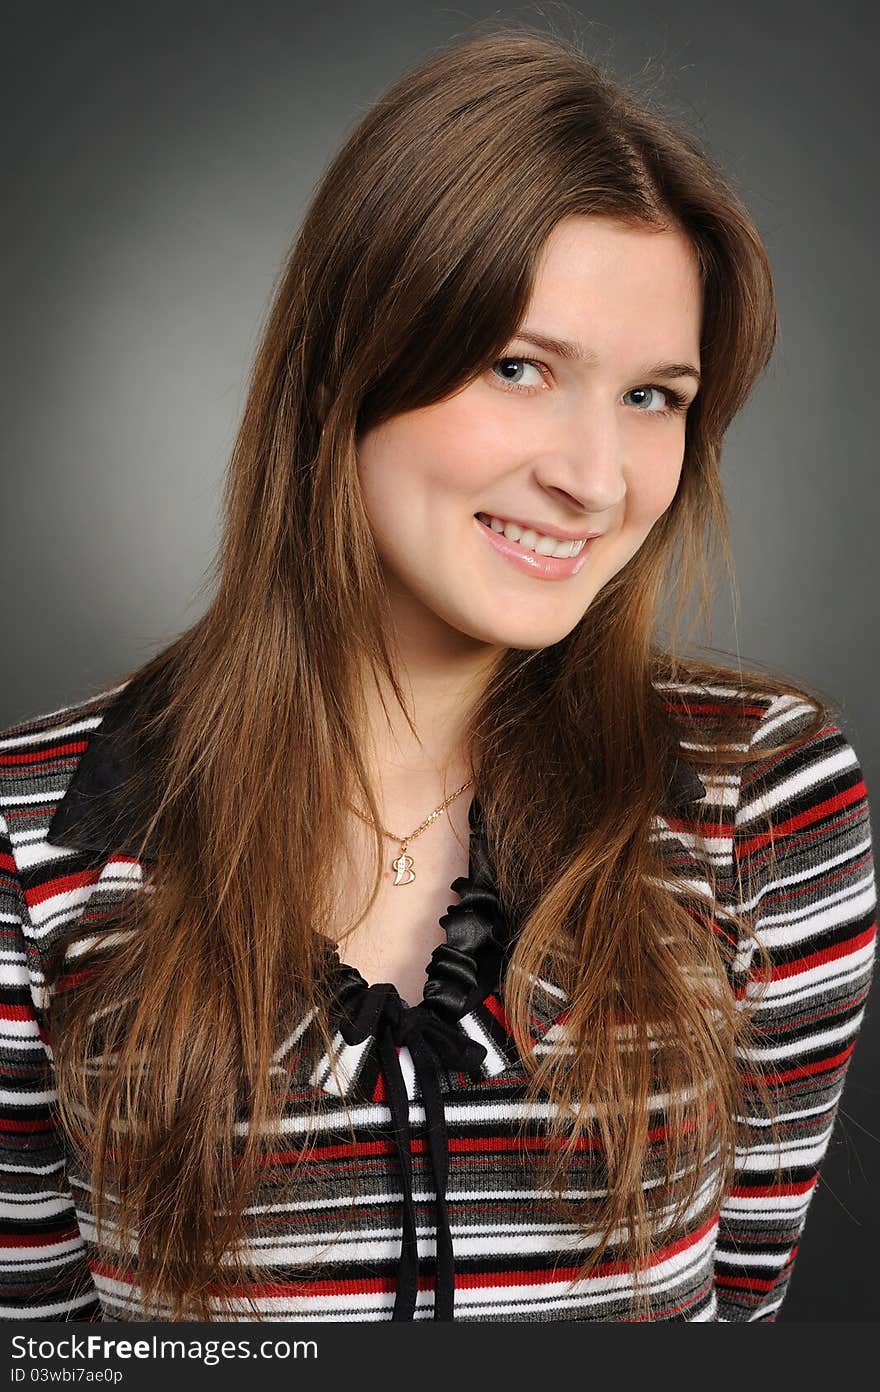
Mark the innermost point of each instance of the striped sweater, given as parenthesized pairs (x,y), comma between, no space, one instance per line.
(431,1207)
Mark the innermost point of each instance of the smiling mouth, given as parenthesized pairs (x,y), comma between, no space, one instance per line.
(533,564)
(532,540)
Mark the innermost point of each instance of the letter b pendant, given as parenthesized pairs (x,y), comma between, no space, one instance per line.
(403,865)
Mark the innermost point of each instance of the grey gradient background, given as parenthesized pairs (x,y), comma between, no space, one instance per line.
(158,161)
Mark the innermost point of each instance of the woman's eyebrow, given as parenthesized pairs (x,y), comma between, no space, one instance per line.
(576,352)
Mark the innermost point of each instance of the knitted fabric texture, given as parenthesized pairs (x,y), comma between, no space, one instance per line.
(433,1210)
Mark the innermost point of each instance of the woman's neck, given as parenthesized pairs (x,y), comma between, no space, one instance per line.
(416,772)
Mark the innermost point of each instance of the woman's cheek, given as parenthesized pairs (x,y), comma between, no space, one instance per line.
(651,489)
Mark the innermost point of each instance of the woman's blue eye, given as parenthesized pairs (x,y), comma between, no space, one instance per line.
(517,363)
(662,391)
(676,402)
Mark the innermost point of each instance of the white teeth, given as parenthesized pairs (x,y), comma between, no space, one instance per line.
(531,540)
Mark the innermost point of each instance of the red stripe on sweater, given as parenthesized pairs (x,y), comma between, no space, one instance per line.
(61,884)
(26,1240)
(825,954)
(16,1012)
(806,1070)
(771,1191)
(43,756)
(816,813)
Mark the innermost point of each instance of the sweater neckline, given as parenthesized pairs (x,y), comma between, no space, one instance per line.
(476,934)
(461,995)
(374,1021)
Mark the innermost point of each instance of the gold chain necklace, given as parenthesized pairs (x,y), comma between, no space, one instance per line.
(402,864)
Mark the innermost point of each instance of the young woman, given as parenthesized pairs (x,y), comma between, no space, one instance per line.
(479,455)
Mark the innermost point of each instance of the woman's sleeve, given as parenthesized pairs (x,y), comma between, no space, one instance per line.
(815,909)
(43,1270)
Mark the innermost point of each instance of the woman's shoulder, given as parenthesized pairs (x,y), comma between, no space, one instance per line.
(707,695)
(40,753)
(786,795)
(88,711)
(754,716)
(52,763)
(54,770)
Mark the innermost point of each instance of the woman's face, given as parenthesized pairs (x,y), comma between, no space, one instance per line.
(574,445)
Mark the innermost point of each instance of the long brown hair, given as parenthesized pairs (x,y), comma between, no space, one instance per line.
(412,270)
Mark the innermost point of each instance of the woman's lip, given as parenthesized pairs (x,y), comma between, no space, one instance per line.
(542,528)
(539,567)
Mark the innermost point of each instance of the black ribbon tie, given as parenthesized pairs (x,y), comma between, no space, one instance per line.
(433,1041)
